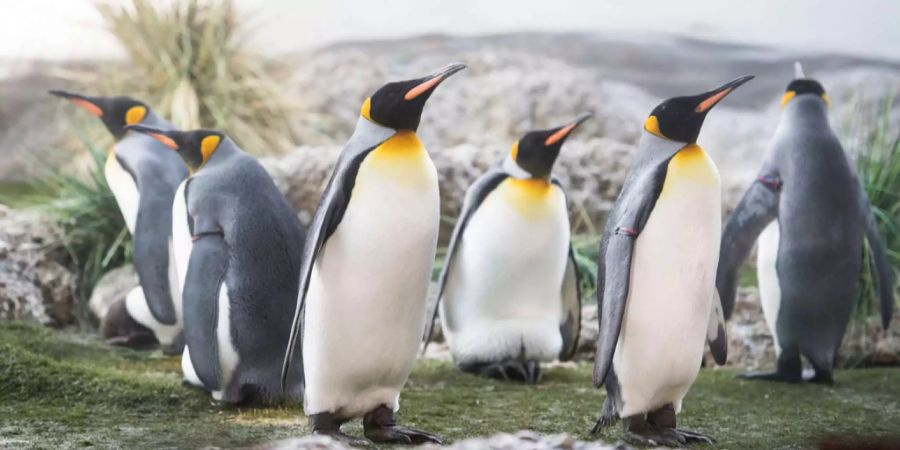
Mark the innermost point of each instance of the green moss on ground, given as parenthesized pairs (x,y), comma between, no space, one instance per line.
(61,390)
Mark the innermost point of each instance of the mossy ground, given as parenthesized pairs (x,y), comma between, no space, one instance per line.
(65,390)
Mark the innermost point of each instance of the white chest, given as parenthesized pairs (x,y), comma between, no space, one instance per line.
(365,308)
(124,189)
(671,286)
(512,257)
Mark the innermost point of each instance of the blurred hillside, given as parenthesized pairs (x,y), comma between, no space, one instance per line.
(515,82)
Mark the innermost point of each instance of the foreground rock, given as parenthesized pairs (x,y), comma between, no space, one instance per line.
(34,283)
(522,440)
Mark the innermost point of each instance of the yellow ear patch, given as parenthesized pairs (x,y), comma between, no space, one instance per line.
(135,114)
(208,146)
(366,110)
(515,151)
(827,99)
(788,96)
(652,126)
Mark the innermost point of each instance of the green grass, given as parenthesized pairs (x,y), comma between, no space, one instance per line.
(61,390)
(877,150)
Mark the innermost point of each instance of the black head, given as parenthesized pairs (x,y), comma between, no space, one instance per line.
(195,147)
(115,112)
(399,104)
(537,150)
(680,118)
(803,86)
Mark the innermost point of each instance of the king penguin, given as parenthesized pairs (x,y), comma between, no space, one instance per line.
(240,284)
(143,180)
(656,276)
(509,293)
(811,215)
(366,268)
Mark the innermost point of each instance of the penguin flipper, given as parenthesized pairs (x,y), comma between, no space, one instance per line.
(366,137)
(715,331)
(151,254)
(880,260)
(570,320)
(756,210)
(205,277)
(633,208)
(616,278)
(476,194)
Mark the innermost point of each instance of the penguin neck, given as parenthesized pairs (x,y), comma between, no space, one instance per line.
(152,120)
(806,110)
(654,150)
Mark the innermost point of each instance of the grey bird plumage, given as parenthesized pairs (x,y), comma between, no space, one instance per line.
(143,176)
(808,190)
(247,246)
(157,171)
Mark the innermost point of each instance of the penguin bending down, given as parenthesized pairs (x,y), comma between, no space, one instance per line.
(143,178)
(366,268)
(811,215)
(509,293)
(656,276)
(240,283)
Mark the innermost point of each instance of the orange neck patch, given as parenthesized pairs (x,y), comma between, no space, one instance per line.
(88,106)
(167,141)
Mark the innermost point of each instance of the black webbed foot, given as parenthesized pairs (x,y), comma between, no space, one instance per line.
(509,370)
(692,437)
(327,424)
(381,427)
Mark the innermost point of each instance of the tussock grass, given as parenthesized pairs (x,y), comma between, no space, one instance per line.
(190,60)
(877,151)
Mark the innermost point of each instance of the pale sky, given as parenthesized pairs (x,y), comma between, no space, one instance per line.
(58,29)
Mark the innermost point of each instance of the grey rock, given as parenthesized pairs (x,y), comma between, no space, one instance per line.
(34,283)
(111,288)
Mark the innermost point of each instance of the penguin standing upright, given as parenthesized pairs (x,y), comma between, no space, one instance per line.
(813,215)
(656,276)
(240,285)
(366,268)
(509,294)
(143,178)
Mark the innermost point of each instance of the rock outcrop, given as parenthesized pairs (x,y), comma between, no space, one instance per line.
(34,283)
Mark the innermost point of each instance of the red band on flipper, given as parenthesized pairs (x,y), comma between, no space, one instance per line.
(771,183)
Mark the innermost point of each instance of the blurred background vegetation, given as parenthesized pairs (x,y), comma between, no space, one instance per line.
(190,60)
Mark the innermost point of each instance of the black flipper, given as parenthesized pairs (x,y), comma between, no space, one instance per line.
(367,136)
(715,331)
(880,260)
(476,194)
(205,277)
(636,201)
(151,253)
(757,208)
(570,321)
(616,276)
